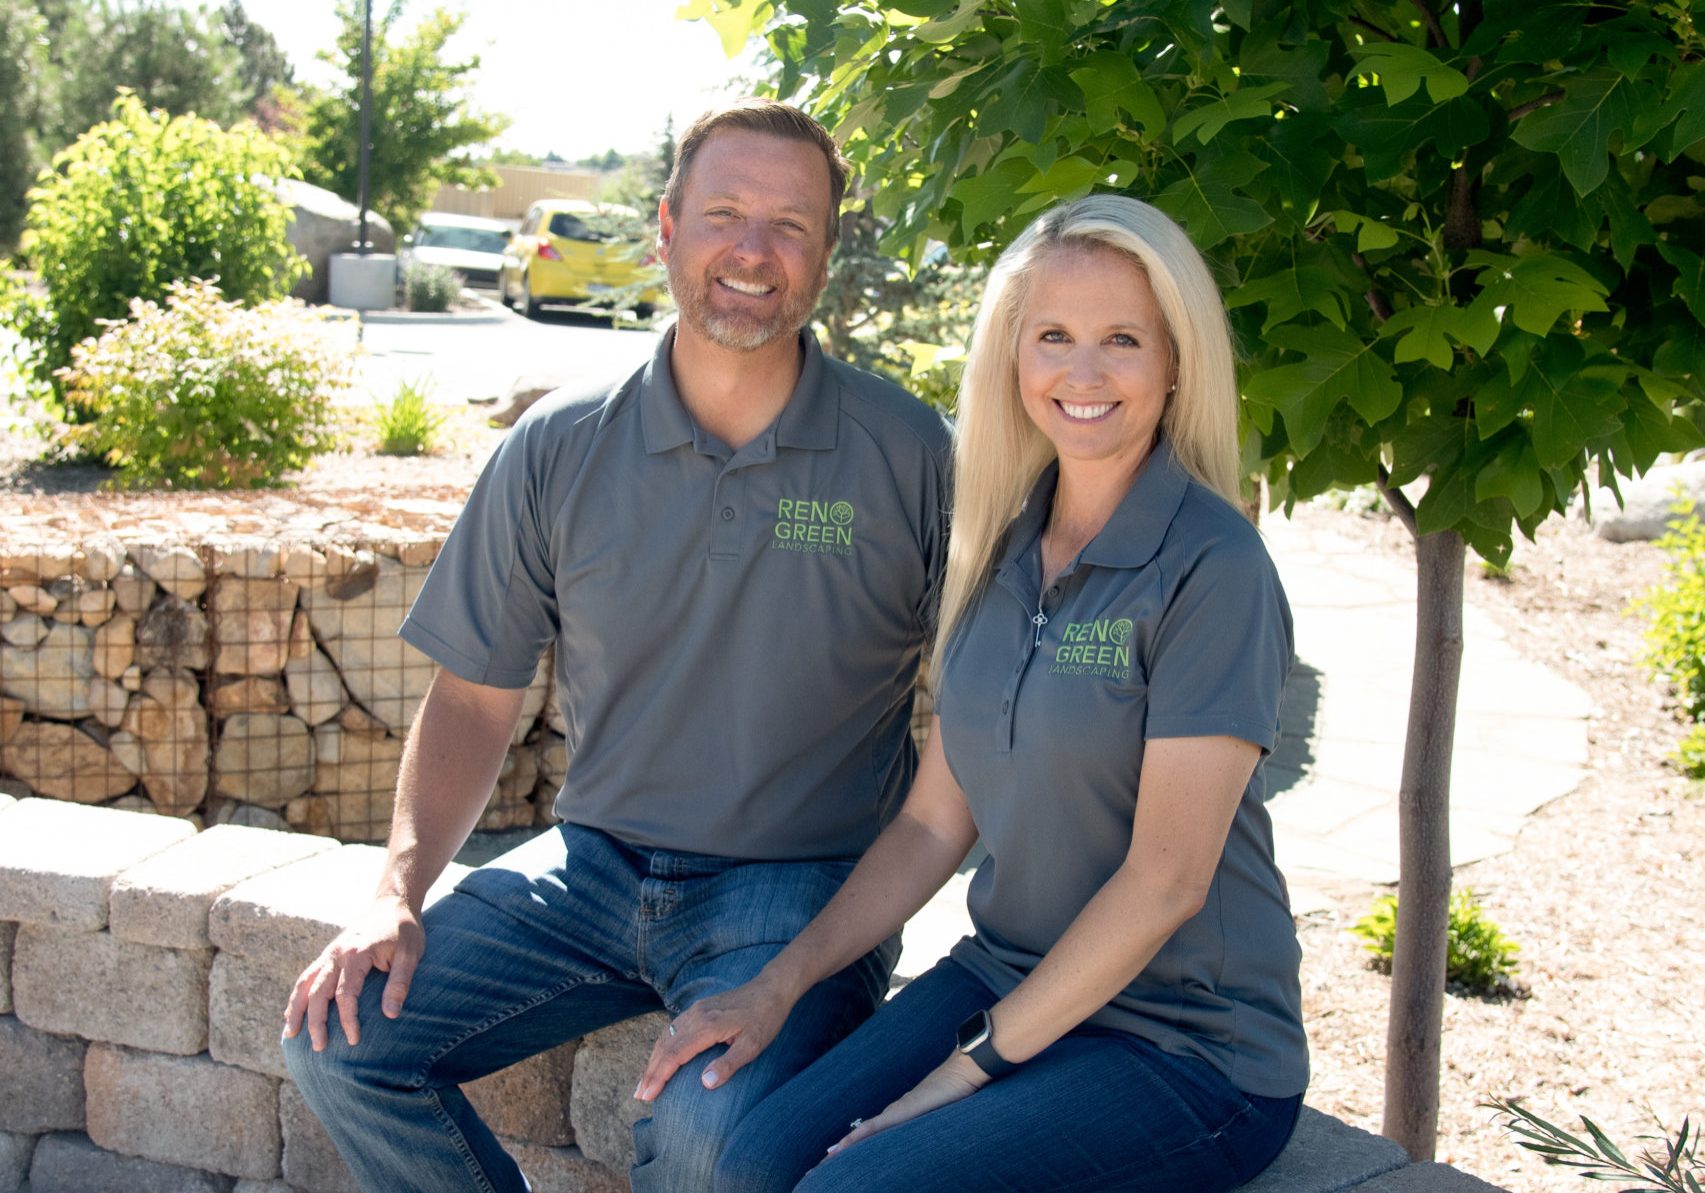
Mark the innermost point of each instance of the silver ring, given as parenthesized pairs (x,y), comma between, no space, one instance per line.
(671,1029)
(856,1124)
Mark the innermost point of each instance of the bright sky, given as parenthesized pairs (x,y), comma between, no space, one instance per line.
(575,77)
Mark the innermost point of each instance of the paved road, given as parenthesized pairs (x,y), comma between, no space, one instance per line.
(479,357)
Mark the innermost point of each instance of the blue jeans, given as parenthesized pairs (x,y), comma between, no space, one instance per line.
(571,932)
(1099,1110)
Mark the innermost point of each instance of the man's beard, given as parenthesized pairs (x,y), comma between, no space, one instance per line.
(738,331)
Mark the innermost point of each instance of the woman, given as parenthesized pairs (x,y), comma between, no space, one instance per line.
(1113,641)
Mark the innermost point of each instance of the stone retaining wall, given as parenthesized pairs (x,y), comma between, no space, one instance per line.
(249,681)
(143,973)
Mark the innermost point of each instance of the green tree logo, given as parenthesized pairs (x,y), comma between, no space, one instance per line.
(841,513)
(1121,631)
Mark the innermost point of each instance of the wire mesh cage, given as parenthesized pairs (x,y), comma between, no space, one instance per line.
(256,682)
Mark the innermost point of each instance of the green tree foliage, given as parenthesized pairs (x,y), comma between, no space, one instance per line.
(144,200)
(23,60)
(423,122)
(62,62)
(911,325)
(214,64)
(1460,241)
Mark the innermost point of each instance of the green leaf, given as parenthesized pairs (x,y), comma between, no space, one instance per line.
(1686,107)
(1538,289)
(1436,439)
(1596,105)
(1112,84)
(1066,178)
(1690,276)
(1298,161)
(1290,291)
(1046,28)
(1211,214)
(734,25)
(1448,501)
(1513,473)
(1028,95)
(984,197)
(1454,126)
(1402,68)
(950,28)
(1425,333)
(1370,233)
(1245,103)
(1573,403)
(1337,367)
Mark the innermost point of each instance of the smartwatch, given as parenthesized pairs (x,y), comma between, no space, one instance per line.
(977,1041)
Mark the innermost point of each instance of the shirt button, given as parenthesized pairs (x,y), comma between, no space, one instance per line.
(728,513)
(1006,705)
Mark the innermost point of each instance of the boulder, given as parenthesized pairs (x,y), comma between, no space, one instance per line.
(64,762)
(326,224)
(356,773)
(51,678)
(355,615)
(251,625)
(248,694)
(264,759)
(316,691)
(167,719)
(173,633)
(115,645)
(1647,508)
(177,569)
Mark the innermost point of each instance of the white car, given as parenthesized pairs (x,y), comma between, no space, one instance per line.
(468,244)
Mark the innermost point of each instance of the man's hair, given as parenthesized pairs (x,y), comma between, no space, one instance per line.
(776,120)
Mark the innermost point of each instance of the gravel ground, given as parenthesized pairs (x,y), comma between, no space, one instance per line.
(1602,890)
(1602,893)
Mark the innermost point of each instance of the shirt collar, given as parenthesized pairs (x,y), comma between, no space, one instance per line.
(811,418)
(1139,523)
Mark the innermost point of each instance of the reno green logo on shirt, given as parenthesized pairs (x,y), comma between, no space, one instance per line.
(1101,648)
(819,527)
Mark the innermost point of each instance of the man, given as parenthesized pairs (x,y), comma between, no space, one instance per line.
(735,553)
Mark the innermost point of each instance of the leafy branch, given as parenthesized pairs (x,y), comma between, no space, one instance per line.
(1675,1167)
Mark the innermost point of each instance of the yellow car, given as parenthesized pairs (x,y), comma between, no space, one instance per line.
(572,252)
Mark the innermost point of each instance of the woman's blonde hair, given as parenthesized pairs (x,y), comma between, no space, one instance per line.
(999,453)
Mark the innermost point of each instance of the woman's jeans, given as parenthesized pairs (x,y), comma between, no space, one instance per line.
(1099,1110)
(571,932)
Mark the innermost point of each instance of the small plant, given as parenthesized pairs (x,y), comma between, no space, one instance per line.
(1674,1169)
(205,393)
(1675,636)
(408,423)
(1478,955)
(430,287)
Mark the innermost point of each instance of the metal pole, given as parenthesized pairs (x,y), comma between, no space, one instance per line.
(363,153)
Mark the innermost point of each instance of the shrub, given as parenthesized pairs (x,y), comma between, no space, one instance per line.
(408,424)
(205,393)
(430,287)
(144,200)
(1478,956)
(1676,1168)
(1675,639)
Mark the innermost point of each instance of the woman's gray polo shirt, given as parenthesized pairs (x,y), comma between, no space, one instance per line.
(737,633)
(1171,623)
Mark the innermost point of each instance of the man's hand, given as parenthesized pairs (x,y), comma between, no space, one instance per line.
(956,1077)
(388,938)
(745,1018)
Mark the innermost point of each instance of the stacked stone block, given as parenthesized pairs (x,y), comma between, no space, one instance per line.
(144,969)
(243,680)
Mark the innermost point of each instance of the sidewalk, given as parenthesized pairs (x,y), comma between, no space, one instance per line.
(1521,735)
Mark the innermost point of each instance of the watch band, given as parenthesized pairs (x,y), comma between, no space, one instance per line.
(976,1039)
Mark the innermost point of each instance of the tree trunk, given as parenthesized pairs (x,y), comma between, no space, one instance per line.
(1423,891)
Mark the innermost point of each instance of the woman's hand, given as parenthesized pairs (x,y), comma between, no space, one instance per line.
(954,1078)
(745,1018)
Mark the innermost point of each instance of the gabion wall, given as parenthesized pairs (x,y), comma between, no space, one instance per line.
(253,681)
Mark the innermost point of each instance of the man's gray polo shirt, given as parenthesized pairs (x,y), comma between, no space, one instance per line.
(1170,623)
(737,632)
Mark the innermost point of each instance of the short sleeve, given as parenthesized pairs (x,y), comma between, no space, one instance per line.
(488,611)
(1223,647)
